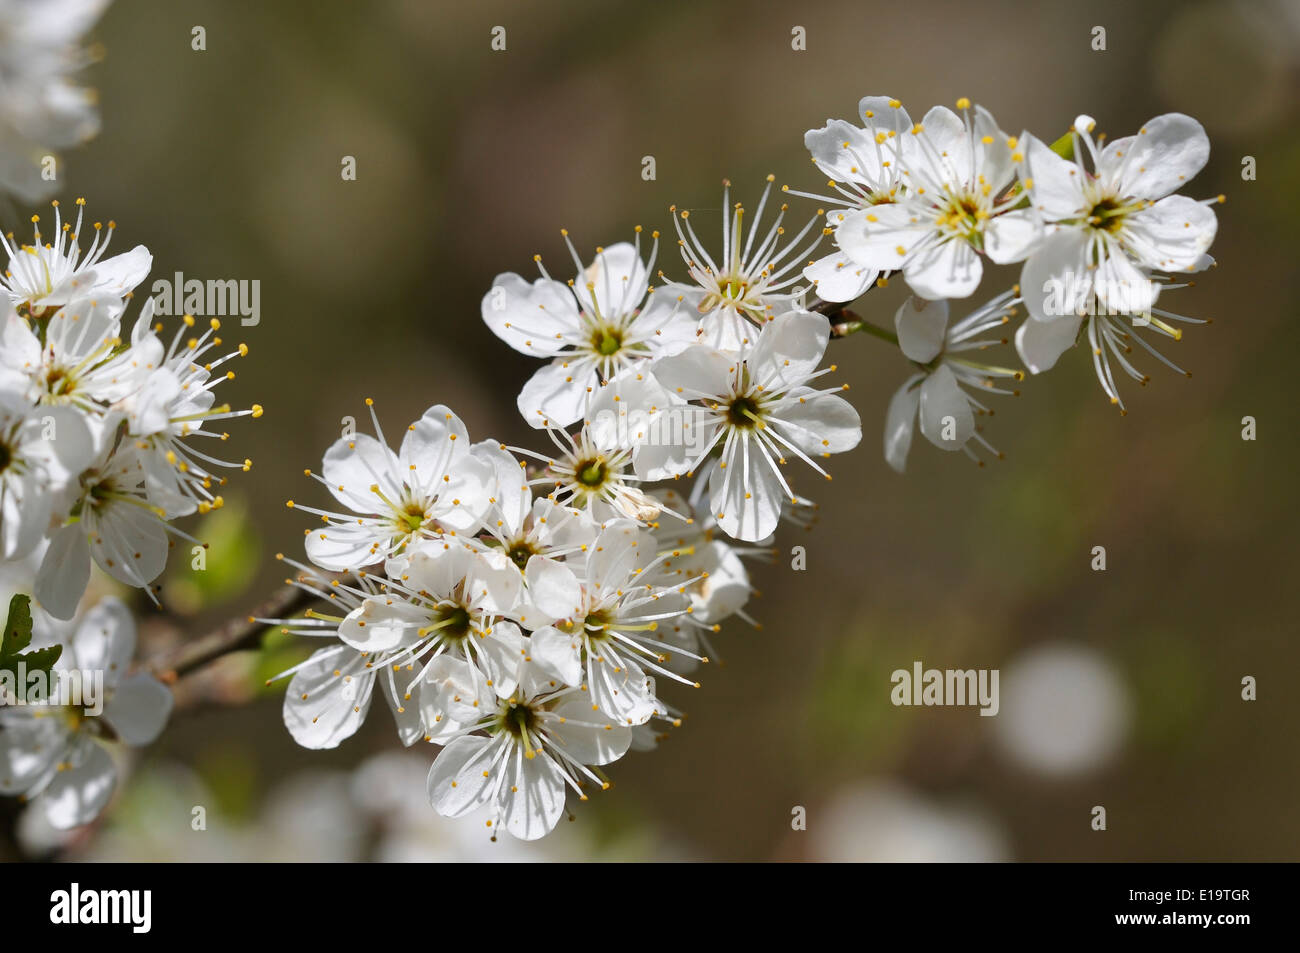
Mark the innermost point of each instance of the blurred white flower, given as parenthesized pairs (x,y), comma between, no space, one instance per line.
(56,756)
(1064,710)
(881,821)
(41,109)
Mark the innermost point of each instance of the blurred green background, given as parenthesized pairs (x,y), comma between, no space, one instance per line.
(226,163)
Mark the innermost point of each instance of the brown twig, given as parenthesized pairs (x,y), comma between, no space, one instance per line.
(235,635)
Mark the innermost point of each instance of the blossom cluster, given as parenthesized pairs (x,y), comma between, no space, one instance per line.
(101,436)
(524,608)
(100,427)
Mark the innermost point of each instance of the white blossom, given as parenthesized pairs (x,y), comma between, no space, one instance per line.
(754,278)
(957,207)
(755,409)
(58,756)
(605,323)
(939,393)
(429,487)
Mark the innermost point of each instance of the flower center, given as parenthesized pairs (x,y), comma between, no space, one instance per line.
(452,622)
(412,517)
(961,213)
(518,720)
(733,288)
(521,552)
(6,457)
(595,625)
(1108,215)
(745,412)
(59,382)
(592,473)
(606,341)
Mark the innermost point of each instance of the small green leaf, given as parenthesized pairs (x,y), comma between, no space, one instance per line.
(17,636)
(42,659)
(1064,147)
(18,627)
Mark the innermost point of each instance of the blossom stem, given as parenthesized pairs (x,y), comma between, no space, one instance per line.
(845,322)
(236,635)
(853,323)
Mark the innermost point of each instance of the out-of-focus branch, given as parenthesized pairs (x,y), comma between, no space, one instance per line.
(233,636)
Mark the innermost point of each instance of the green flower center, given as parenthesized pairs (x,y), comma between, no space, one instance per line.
(745,412)
(594,625)
(592,473)
(962,214)
(521,552)
(517,720)
(412,517)
(1108,215)
(606,341)
(734,288)
(452,622)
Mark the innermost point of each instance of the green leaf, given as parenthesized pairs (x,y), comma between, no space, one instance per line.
(1064,147)
(17,636)
(18,627)
(42,659)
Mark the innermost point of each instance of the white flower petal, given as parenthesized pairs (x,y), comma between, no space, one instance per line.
(558,653)
(1011,236)
(583,736)
(789,350)
(64,573)
(1167,152)
(882,236)
(1041,343)
(950,269)
(820,424)
(557,393)
(1171,234)
(553,589)
(328,698)
(105,640)
(533,319)
(698,370)
(900,422)
(380,624)
(921,325)
(746,501)
(139,708)
(1122,287)
(77,794)
(352,465)
(837,277)
(343,546)
(456,783)
(1054,184)
(532,795)
(947,420)
(1055,278)
(619,279)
